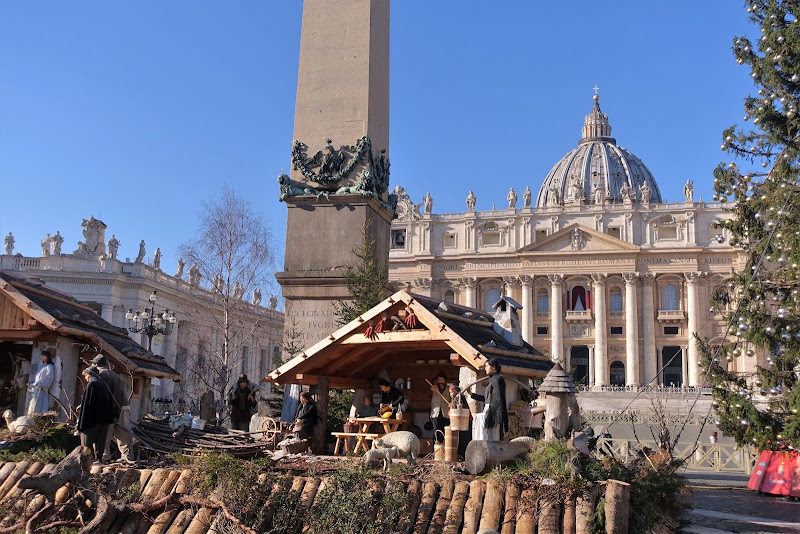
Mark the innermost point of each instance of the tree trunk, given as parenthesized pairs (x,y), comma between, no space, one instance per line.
(569,514)
(549,517)
(510,515)
(584,510)
(618,500)
(556,418)
(472,510)
(483,455)
(455,513)
(442,504)
(407,519)
(492,505)
(526,512)
(425,508)
(320,432)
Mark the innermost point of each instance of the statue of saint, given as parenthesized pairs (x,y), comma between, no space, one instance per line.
(526,197)
(273,302)
(577,190)
(194,275)
(142,252)
(599,193)
(216,283)
(179,272)
(113,247)
(471,199)
(257,297)
(46,246)
(157,258)
(55,244)
(688,191)
(512,199)
(428,202)
(553,197)
(645,192)
(625,192)
(238,291)
(9,243)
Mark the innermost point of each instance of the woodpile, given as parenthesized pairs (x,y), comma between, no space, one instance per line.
(155,434)
(163,502)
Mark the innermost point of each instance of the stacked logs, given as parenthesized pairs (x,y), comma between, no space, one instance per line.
(446,507)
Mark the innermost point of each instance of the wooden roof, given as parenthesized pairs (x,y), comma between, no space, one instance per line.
(31,310)
(557,381)
(350,356)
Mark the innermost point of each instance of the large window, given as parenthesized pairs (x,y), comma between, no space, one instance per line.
(449,296)
(615,300)
(669,297)
(542,301)
(492,296)
(579,301)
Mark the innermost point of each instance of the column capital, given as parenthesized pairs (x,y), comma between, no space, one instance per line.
(599,278)
(510,279)
(468,282)
(422,283)
(630,278)
(647,278)
(556,279)
(526,280)
(692,277)
(590,347)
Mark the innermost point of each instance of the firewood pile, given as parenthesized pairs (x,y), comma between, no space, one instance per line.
(155,434)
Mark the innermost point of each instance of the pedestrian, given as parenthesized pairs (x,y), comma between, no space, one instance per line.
(606,434)
(306,416)
(495,411)
(96,413)
(243,401)
(712,438)
(390,396)
(121,429)
(40,399)
(440,406)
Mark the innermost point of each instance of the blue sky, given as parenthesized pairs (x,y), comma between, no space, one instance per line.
(137,112)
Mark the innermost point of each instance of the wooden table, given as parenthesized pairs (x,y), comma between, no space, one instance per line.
(363,435)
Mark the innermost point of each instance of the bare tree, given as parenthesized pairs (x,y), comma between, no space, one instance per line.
(233,251)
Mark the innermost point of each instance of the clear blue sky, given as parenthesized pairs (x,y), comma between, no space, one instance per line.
(136,112)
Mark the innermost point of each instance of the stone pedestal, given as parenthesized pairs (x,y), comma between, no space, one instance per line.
(320,237)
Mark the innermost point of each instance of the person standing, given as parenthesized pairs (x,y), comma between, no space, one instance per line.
(40,399)
(96,412)
(390,396)
(712,438)
(306,416)
(495,411)
(121,429)
(242,403)
(440,406)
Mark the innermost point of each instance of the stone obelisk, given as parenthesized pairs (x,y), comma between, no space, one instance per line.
(340,167)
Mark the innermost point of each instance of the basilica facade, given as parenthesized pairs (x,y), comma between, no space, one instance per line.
(613,282)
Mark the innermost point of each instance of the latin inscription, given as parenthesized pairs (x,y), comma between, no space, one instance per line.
(558,263)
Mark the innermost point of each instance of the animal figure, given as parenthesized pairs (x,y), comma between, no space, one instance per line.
(406,442)
(374,456)
(20,425)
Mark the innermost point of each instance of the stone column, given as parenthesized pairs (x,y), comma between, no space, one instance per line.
(631,331)
(591,364)
(685,364)
(469,290)
(567,358)
(649,330)
(692,323)
(556,318)
(107,313)
(660,364)
(527,307)
(600,330)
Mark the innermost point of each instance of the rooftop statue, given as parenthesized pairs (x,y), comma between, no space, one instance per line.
(142,252)
(9,244)
(257,297)
(512,199)
(427,200)
(526,197)
(55,244)
(93,234)
(471,199)
(179,272)
(599,194)
(553,196)
(113,247)
(645,192)
(625,193)
(157,258)
(688,191)
(273,302)
(46,246)
(577,190)
(194,275)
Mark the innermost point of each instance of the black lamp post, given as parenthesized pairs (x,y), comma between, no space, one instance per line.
(149,322)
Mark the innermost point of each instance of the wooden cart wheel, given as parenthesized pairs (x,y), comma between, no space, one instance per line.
(268,424)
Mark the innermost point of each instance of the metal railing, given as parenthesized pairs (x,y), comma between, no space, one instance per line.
(706,457)
(645,418)
(670,390)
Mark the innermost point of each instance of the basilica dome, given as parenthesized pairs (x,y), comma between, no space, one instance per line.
(598,171)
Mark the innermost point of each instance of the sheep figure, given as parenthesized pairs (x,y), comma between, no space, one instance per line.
(19,425)
(373,457)
(406,442)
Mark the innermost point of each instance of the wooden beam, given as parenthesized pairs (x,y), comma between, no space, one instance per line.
(334,381)
(408,336)
(458,360)
(27,335)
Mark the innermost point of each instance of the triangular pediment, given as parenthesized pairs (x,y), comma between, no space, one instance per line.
(576,238)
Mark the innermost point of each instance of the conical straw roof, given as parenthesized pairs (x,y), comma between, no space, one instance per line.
(558,381)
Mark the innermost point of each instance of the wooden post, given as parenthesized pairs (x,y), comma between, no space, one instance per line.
(509,525)
(549,517)
(492,506)
(455,512)
(618,501)
(584,510)
(425,508)
(569,514)
(472,510)
(557,418)
(320,432)
(526,512)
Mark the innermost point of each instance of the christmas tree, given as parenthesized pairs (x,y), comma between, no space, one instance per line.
(760,187)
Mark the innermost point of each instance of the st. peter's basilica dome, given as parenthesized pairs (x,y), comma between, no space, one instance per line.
(598,171)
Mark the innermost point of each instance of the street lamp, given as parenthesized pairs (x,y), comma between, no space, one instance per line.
(149,322)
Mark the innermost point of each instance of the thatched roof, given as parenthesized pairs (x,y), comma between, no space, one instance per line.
(557,381)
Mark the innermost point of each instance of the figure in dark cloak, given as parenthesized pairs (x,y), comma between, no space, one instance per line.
(495,411)
(96,412)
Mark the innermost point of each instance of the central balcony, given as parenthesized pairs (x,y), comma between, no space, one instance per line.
(579,316)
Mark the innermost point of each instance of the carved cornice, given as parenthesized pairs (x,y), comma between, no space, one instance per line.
(630,278)
(526,280)
(647,278)
(556,279)
(599,278)
(692,277)
(469,282)
(425,283)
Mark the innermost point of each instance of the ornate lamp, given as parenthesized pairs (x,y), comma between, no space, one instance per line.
(149,322)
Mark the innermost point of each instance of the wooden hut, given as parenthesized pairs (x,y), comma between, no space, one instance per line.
(408,338)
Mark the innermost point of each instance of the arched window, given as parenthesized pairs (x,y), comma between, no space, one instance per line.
(542,301)
(617,376)
(492,296)
(669,297)
(449,296)
(578,300)
(615,300)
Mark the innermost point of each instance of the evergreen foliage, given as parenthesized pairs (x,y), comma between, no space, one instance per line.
(366,282)
(760,187)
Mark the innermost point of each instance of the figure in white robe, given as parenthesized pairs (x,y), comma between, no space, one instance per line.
(40,399)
